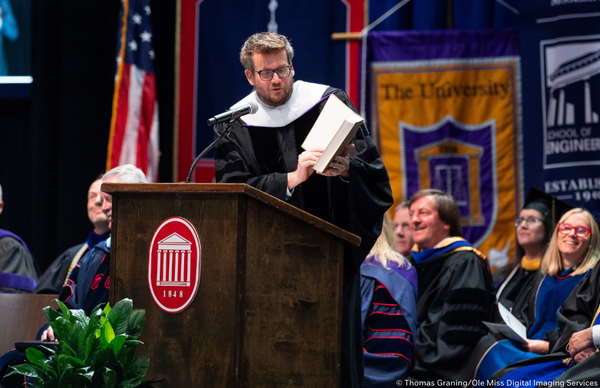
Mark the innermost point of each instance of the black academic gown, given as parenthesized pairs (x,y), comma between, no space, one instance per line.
(513,288)
(262,157)
(54,277)
(455,297)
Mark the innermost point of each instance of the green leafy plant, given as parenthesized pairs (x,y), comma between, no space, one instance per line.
(94,351)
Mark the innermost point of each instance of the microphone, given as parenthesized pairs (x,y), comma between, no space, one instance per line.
(233,114)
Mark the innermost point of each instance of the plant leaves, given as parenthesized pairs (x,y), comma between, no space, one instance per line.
(117,344)
(94,351)
(36,357)
(68,350)
(66,314)
(109,377)
(47,349)
(136,323)
(139,366)
(63,365)
(108,332)
(89,346)
(77,339)
(119,316)
(102,357)
(27,370)
(51,314)
(76,361)
(131,383)
(80,317)
(62,328)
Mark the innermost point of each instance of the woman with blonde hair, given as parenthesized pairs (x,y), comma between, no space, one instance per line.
(572,252)
(560,254)
(388,289)
(385,254)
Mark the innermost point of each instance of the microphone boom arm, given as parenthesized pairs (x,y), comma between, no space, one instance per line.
(225,132)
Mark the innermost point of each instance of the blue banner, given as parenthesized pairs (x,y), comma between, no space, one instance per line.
(560,46)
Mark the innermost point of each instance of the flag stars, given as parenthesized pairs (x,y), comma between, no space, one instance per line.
(147,9)
(151,52)
(133,45)
(137,18)
(146,36)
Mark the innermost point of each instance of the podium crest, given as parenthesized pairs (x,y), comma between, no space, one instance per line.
(174,264)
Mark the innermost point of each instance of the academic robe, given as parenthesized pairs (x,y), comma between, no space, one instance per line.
(88,283)
(262,154)
(536,307)
(455,297)
(508,292)
(18,272)
(389,324)
(55,276)
(578,312)
(409,273)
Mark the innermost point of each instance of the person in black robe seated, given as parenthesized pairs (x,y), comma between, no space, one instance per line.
(55,276)
(534,225)
(264,150)
(565,264)
(18,270)
(455,289)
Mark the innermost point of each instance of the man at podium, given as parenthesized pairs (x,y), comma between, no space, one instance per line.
(263,150)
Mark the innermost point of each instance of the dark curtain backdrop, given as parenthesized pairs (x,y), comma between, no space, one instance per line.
(53,145)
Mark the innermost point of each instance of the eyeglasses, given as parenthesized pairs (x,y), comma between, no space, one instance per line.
(533,221)
(282,72)
(580,231)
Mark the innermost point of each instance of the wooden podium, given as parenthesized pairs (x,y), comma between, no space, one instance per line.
(268,309)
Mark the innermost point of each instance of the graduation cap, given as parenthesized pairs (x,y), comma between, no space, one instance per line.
(550,207)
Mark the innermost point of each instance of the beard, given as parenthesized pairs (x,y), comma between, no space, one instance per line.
(287,93)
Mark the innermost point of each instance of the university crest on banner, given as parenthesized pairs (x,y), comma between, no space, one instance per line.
(452,123)
(449,156)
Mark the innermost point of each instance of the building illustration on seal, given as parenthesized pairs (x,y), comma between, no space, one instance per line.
(174,261)
(458,159)
(581,69)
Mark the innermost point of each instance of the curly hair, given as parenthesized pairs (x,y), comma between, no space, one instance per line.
(264,43)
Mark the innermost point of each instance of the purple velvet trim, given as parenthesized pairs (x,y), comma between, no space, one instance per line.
(5,233)
(19,282)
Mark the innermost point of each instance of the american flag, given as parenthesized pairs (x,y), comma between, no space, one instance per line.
(134,123)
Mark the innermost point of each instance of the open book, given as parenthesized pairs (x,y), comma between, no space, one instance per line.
(512,328)
(335,127)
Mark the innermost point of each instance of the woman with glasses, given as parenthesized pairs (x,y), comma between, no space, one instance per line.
(575,360)
(533,227)
(573,250)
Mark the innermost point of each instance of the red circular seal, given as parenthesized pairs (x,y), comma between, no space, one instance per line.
(174,264)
